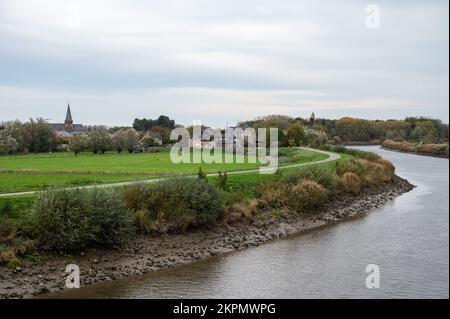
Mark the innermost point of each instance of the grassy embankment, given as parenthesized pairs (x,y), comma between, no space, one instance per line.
(65,220)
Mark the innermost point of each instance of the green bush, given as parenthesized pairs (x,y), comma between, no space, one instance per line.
(73,219)
(109,219)
(325,177)
(201,174)
(222,182)
(179,203)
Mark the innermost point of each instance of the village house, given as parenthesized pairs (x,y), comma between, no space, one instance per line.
(151,139)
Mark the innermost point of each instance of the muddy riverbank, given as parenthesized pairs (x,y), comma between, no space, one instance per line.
(144,254)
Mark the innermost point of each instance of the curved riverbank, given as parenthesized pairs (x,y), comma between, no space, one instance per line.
(433,150)
(414,152)
(146,254)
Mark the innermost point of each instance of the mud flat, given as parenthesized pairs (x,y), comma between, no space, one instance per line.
(144,254)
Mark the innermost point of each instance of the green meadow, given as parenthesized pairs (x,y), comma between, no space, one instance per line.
(39,171)
(16,208)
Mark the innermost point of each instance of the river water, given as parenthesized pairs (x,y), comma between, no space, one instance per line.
(408,239)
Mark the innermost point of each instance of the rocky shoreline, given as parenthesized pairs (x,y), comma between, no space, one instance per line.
(144,254)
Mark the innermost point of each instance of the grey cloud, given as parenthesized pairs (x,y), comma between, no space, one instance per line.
(186,52)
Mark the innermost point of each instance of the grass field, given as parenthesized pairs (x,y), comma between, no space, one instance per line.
(17,208)
(21,181)
(38,171)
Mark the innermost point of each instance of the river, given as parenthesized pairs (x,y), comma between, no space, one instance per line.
(408,239)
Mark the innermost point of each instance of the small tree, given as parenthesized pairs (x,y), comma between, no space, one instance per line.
(201,174)
(100,141)
(312,119)
(39,136)
(223,181)
(126,139)
(8,144)
(296,135)
(78,143)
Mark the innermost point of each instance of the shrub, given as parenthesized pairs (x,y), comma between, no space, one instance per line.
(11,245)
(307,195)
(238,212)
(434,149)
(62,221)
(179,203)
(366,155)
(350,166)
(73,219)
(201,174)
(7,256)
(376,173)
(351,182)
(272,195)
(143,221)
(401,146)
(431,148)
(110,221)
(321,175)
(389,168)
(222,182)
(136,196)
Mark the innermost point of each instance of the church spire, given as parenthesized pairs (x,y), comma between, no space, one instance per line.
(69,122)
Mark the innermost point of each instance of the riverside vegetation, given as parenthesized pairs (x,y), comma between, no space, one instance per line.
(71,220)
(432,149)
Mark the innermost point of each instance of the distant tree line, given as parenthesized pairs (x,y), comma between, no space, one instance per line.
(163,125)
(291,132)
(99,141)
(37,136)
(313,131)
(147,124)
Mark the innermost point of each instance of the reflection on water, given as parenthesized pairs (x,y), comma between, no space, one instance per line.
(408,238)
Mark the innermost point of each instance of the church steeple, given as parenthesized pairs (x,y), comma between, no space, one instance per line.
(68,122)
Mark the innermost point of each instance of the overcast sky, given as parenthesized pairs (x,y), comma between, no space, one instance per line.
(221,61)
